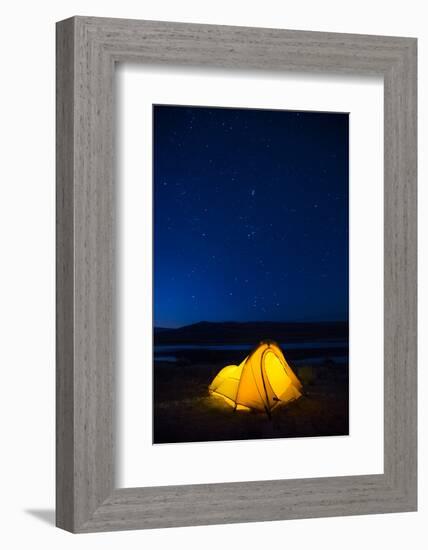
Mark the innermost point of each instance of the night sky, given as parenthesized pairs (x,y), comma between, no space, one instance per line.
(250,215)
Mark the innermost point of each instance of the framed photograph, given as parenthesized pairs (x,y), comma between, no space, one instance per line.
(236,274)
(250,248)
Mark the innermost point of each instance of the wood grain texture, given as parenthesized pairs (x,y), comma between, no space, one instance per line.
(64,276)
(87,50)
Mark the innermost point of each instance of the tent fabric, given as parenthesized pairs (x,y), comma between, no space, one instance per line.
(262,381)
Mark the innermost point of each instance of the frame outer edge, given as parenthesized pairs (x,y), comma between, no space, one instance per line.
(65,55)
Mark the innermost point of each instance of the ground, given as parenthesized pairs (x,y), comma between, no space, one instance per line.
(184,411)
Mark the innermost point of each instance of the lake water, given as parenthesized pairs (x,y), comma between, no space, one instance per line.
(170,353)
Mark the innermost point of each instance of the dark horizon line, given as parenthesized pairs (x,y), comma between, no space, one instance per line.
(250,322)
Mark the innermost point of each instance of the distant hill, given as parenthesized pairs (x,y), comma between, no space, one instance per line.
(251,332)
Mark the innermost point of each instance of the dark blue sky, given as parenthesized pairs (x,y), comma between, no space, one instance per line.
(250,215)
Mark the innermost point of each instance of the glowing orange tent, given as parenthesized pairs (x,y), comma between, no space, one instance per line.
(262,381)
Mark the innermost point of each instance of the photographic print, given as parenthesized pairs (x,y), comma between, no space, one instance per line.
(250,274)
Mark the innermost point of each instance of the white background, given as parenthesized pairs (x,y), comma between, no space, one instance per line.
(138,89)
(27,272)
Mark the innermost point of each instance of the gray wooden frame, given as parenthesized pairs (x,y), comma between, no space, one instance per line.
(87,50)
